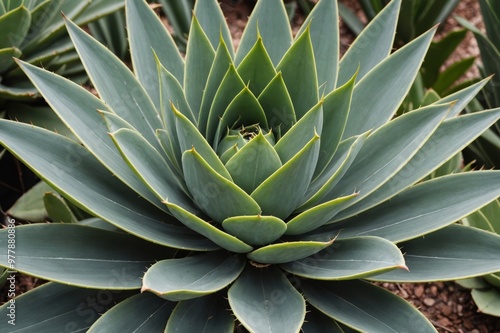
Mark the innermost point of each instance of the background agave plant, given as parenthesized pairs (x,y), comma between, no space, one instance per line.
(485,289)
(486,149)
(417,16)
(33,30)
(251,185)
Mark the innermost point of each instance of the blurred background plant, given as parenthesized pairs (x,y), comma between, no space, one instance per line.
(486,149)
(415,17)
(33,30)
(110,30)
(485,289)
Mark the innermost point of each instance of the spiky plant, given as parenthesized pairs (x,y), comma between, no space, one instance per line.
(34,31)
(485,289)
(257,191)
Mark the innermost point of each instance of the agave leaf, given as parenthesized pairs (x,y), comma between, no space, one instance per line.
(206,314)
(188,137)
(6,55)
(281,253)
(114,261)
(387,84)
(18,92)
(439,51)
(299,73)
(299,135)
(335,170)
(171,93)
(462,97)
(450,137)
(133,104)
(226,156)
(369,309)
(217,73)
(114,122)
(199,58)
(146,33)
(490,11)
(98,223)
(244,109)
(442,256)
(270,21)
(257,57)
(232,139)
(206,229)
(47,56)
(96,9)
(317,322)
(55,27)
(472,283)
(434,204)
(110,31)
(151,168)
(41,116)
(30,205)
(348,259)
(179,16)
(14,25)
(486,218)
(487,301)
(255,230)
(372,45)
(231,85)
(264,301)
(212,21)
(281,192)
(277,104)
(489,55)
(166,142)
(150,315)
(451,74)
(401,138)
(193,276)
(336,107)
(57,307)
(260,157)
(316,216)
(168,135)
(324,18)
(57,209)
(65,165)
(218,197)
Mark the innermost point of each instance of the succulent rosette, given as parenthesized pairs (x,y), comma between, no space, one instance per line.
(258,190)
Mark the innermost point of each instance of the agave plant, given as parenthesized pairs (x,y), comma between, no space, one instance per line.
(259,190)
(485,289)
(34,31)
(416,15)
(486,149)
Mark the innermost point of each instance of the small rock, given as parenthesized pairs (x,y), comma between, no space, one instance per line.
(445,322)
(419,291)
(429,301)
